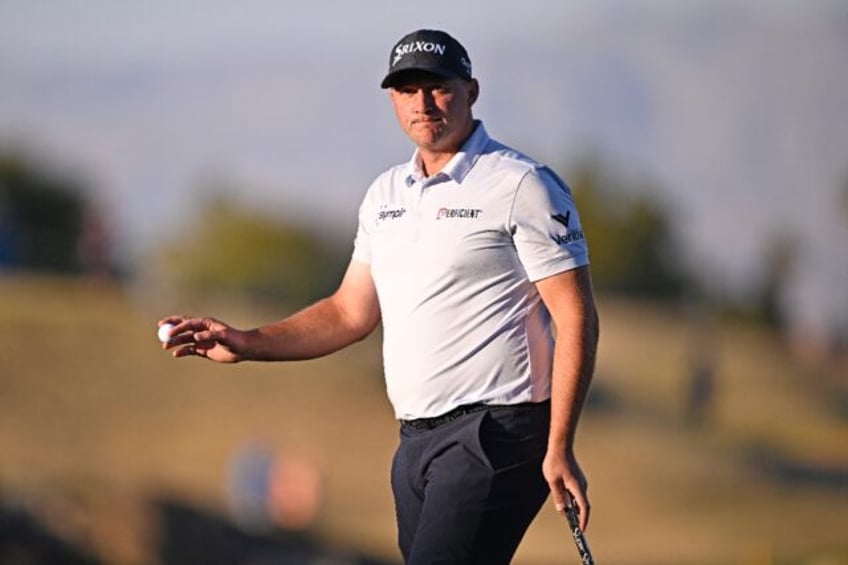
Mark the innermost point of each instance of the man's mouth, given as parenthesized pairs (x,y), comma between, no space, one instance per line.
(426,121)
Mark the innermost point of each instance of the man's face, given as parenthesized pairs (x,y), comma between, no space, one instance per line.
(435,112)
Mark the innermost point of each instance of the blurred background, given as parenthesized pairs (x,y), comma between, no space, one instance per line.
(209,158)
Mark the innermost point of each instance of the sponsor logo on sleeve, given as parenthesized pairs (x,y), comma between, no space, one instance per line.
(562,219)
(570,235)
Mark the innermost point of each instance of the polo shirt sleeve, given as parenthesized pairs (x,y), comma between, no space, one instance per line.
(362,242)
(546,227)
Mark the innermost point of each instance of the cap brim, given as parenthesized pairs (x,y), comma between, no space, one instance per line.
(393,77)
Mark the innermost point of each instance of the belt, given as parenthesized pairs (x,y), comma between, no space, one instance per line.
(424,424)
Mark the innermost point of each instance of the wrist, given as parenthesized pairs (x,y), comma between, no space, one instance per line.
(564,443)
(240,342)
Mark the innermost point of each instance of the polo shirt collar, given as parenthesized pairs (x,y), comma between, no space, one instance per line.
(460,164)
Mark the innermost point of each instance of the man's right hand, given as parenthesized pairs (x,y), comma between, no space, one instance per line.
(205,337)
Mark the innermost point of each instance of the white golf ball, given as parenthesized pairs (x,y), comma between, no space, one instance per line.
(164,332)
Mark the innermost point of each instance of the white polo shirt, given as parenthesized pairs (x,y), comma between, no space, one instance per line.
(454,258)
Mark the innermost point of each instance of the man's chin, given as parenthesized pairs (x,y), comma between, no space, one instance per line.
(429,129)
(427,140)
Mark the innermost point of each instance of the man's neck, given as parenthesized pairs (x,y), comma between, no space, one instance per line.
(433,162)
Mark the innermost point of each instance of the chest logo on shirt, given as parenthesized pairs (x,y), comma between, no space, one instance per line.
(460,213)
(386,213)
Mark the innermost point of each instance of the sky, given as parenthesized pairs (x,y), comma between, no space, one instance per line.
(732,112)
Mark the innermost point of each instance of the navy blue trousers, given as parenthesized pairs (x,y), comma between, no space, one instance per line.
(466,491)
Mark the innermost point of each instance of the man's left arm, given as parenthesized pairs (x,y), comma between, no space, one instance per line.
(569,298)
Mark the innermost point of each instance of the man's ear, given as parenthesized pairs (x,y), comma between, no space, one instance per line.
(473,91)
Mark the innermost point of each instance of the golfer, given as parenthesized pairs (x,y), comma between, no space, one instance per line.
(473,257)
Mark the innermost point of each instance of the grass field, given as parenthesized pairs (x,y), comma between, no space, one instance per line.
(96,420)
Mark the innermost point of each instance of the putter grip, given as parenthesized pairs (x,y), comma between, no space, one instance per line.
(579,538)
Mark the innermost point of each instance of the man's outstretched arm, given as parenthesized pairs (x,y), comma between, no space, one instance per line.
(348,315)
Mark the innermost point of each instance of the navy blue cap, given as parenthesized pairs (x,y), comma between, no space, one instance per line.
(428,50)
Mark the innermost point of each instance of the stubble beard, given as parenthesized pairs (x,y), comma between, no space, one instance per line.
(430,134)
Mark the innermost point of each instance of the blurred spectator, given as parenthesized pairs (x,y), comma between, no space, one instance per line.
(701,378)
(267,490)
(94,246)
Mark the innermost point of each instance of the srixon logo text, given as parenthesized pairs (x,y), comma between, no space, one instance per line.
(423,46)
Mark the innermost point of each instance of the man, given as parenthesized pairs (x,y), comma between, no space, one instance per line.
(466,253)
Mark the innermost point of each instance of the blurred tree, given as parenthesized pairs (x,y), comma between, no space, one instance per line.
(41,216)
(630,236)
(234,250)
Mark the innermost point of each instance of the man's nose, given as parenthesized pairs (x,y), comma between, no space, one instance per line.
(424,102)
